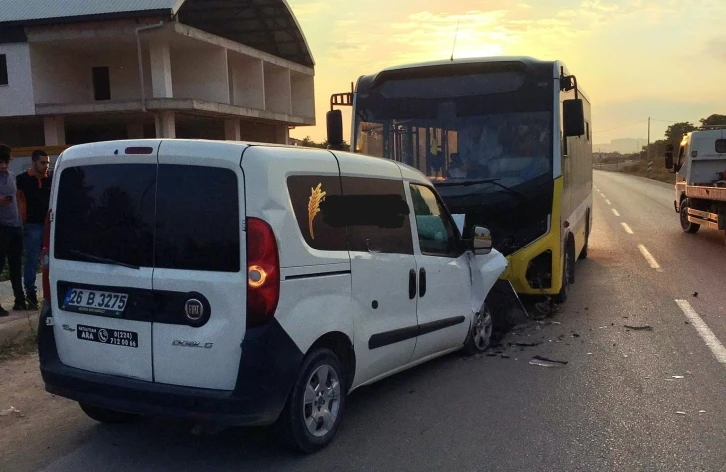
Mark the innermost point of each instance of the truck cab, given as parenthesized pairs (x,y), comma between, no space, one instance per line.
(700,188)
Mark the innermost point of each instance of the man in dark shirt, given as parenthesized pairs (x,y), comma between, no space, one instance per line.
(33,199)
(11,233)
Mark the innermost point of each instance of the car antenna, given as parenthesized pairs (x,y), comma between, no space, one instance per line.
(456,35)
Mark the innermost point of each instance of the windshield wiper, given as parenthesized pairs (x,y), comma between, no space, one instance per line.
(102,260)
(469,183)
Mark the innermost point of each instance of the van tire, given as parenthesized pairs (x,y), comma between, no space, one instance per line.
(479,338)
(106,416)
(292,426)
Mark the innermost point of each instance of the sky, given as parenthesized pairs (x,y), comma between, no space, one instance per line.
(664,59)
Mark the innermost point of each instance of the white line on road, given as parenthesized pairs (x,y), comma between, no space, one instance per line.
(649,257)
(627,228)
(603,195)
(718,350)
(608,201)
(615,212)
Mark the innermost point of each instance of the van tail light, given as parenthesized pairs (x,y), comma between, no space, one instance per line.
(45,258)
(263,273)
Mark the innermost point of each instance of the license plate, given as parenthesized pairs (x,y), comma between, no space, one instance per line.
(95,302)
(116,337)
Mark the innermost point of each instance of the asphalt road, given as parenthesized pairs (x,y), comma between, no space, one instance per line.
(614,406)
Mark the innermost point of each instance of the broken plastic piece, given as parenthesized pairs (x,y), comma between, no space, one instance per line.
(677,376)
(702,411)
(680,412)
(526,344)
(540,358)
(640,328)
(9,411)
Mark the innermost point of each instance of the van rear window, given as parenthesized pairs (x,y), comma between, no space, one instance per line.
(197,224)
(721,146)
(106,211)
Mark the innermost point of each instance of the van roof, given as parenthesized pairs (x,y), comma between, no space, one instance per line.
(121,147)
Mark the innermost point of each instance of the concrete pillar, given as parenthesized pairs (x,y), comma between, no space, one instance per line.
(55,130)
(135,130)
(232,130)
(165,122)
(161,70)
(282,132)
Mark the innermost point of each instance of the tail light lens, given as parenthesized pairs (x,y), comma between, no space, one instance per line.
(263,273)
(45,258)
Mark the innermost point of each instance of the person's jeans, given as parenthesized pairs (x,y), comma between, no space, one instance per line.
(33,242)
(11,246)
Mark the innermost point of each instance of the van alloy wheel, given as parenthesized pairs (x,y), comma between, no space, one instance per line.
(480,336)
(321,403)
(482,330)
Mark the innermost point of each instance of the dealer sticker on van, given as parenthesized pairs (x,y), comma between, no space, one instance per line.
(95,302)
(108,336)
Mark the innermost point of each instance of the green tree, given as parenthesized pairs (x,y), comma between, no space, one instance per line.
(714,120)
(675,132)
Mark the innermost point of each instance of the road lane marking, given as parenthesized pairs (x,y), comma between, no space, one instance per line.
(603,195)
(718,350)
(627,228)
(608,201)
(649,257)
(615,212)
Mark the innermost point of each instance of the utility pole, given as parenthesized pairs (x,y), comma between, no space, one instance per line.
(647,152)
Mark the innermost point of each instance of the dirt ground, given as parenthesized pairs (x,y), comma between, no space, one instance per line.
(25,409)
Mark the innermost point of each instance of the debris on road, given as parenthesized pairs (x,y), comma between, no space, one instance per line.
(525,344)
(702,411)
(680,412)
(541,359)
(9,411)
(695,294)
(640,328)
(678,377)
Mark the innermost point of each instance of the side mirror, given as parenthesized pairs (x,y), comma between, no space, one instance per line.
(482,241)
(669,160)
(334,122)
(573,117)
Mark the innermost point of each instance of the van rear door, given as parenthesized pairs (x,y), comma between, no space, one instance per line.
(200,277)
(101,257)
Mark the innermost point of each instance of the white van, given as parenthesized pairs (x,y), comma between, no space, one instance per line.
(249,284)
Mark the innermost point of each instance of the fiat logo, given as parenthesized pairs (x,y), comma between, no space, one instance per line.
(194,309)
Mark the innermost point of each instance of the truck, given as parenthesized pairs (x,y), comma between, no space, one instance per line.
(700,187)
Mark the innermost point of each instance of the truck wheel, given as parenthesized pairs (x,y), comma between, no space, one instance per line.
(106,416)
(314,410)
(687,226)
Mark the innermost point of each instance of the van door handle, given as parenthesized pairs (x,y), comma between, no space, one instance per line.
(412,284)
(422,283)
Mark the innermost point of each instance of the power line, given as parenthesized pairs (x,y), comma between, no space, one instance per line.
(618,127)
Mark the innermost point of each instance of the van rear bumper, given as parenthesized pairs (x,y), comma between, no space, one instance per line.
(268,367)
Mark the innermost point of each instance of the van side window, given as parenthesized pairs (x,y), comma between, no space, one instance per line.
(197,222)
(106,211)
(721,146)
(308,195)
(436,234)
(376,221)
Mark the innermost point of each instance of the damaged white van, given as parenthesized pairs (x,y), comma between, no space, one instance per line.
(249,284)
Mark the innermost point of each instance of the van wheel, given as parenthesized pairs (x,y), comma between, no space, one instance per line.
(106,416)
(480,336)
(314,411)
(687,226)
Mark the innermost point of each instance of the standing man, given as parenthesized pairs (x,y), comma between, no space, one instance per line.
(11,233)
(33,199)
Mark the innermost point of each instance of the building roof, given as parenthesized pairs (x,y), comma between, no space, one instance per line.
(266,25)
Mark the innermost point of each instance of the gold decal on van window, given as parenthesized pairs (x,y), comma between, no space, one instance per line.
(316,197)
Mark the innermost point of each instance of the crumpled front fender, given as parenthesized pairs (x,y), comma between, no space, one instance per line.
(485,271)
